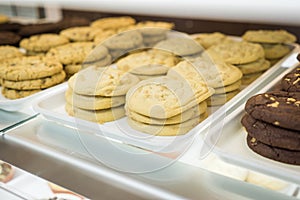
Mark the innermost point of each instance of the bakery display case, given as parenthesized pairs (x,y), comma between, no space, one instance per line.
(96,139)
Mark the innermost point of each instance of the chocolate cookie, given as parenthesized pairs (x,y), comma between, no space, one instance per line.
(9,38)
(291,81)
(278,108)
(272,135)
(278,154)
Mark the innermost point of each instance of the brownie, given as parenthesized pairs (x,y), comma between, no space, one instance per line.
(10,26)
(9,38)
(271,135)
(278,154)
(34,29)
(291,81)
(72,22)
(279,108)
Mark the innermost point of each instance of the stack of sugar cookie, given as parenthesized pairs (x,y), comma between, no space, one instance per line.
(226,92)
(154,32)
(99,56)
(124,43)
(40,44)
(274,42)
(148,64)
(24,76)
(207,40)
(224,78)
(166,106)
(98,94)
(184,47)
(248,57)
(74,55)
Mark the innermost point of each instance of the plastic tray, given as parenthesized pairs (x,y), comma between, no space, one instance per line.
(229,143)
(13,105)
(52,107)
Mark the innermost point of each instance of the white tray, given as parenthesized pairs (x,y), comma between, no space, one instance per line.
(19,104)
(229,143)
(52,107)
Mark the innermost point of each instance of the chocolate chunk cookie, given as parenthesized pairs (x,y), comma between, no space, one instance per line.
(272,135)
(291,81)
(278,108)
(278,154)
